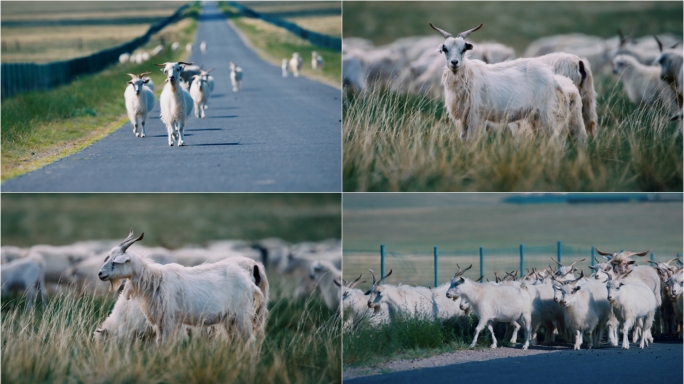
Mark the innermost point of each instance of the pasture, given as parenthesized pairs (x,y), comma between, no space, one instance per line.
(45,31)
(274,43)
(55,344)
(40,127)
(400,142)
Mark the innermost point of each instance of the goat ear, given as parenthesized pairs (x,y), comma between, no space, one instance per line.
(336,283)
(468,46)
(368,292)
(576,289)
(120,259)
(146,81)
(440,48)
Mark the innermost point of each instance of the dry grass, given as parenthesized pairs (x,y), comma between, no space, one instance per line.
(302,345)
(396,142)
(328,25)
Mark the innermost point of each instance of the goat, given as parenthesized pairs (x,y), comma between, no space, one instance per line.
(487,301)
(139,101)
(199,91)
(235,77)
(324,273)
(633,303)
(172,295)
(355,308)
(316,61)
(671,62)
(283,67)
(295,64)
(176,103)
(203,47)
(643,84)
(475,92)
(26,273)
(402,300)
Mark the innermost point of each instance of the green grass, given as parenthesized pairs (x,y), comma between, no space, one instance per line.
(302,345)
(274,44)
(39,127)
(170,220)
(408,338)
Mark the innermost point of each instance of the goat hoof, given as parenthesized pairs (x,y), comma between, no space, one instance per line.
(181,143)
(170,144)
(142,135)
(137,134)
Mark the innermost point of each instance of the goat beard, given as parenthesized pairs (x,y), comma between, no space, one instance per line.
(115,284)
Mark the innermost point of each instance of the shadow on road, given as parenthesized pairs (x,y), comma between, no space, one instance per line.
(211,144)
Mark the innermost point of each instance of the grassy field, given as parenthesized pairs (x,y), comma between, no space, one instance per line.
(40,127)
(168,219)
(274,44)
(29,33)
(303,338)
(302,345)
(410,225)
(407,143)
(318,16)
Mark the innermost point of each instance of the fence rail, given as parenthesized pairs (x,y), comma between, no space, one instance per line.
(23,77)
(414,267)
(315,38)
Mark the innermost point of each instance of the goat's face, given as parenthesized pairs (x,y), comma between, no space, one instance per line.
(620,63)
(173,70)
(613,287)
(316,271)
(464,305)
(138,84)
(454,291)
(675,287)
(454,50)
(669,63)
(201,82)
(117,266)
(376,296)
(565,294)
(602,271)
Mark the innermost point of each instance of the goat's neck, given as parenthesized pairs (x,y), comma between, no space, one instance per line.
(145,277)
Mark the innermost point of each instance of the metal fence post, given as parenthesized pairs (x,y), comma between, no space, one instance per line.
(560,252)
(652,256)
(382,260)
(593,249)
(522,259)
(436,267)
(481,261)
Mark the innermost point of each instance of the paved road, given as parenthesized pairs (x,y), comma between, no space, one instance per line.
(275,135)
(658,363)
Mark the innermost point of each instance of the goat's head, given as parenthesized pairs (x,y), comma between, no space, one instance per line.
(454,291)
(138,81)
(316,270)
(670,60)
(566,271)
(674,285)
(454,48)
(376,291)
(614,285)
(173,70)
(564,291)
(622,62)
(621,262)
(347,287)
(117,266)
(201,81)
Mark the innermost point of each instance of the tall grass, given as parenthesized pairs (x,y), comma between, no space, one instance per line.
(302,345)
(398,142)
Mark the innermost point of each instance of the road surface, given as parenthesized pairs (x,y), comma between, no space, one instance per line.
(275,135)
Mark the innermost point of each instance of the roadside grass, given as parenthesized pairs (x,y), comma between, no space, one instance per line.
(169,220)
(274,44)
(398,142)
(40,127)
(409,338)
(302,345)
(318,16)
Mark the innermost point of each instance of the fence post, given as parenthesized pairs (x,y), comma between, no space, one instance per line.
(522,259)
(652,256)
(481,261)
(382,260)
(436,267)
(560,252)
(593,249)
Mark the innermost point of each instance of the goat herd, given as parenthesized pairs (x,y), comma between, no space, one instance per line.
(221,289)
(187,87)
(551,89)
(619,296)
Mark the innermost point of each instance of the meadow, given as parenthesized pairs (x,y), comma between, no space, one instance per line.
(274,43)
(40,127)
(54,344)
(399,142)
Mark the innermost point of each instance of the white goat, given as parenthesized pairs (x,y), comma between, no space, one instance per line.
(175,46)
(593,48)
(475,92)
(354,74)
(203,47)
(675,286)
(59,258)
(27,274)
(355,309)
(199,91)
(283,67)
(157,50)
(176,103)
(127,320)
(671,61)
(587,309)
(633,303)
(139,101)
(295,64)
(642,83)
(172,295)
(188,47)
(124,58)
(316,61)
(402,300)
(10,253)
(489,302)
(236,77)
(325,274)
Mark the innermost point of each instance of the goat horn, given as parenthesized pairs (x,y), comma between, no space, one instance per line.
(144,74)
(676,44)
(468,32)
(667,263)
(573,264)
(467,269)
(373,274)
(386,276)
(597,260)
(130,240)
(556,261)
(161,65)
(444,33)
(184,63)
(132,76)
(603,253)
(480,279)
(660,45)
